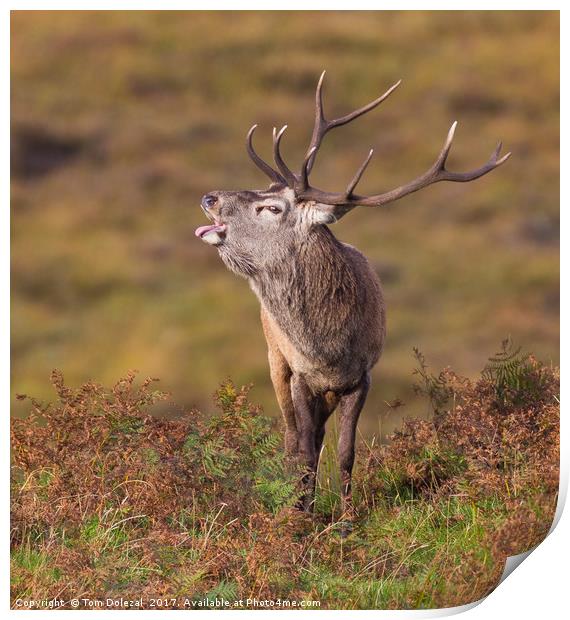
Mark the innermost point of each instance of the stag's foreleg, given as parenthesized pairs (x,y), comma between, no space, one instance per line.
(351,405)
(312,412)
(325,406)
(281,378)
(307,411)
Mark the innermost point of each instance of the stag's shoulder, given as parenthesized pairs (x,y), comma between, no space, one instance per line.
(359,261)
(353,252)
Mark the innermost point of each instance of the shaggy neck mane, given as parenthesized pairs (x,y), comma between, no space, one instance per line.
(313,294)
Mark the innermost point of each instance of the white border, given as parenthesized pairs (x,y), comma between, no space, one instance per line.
(538,586)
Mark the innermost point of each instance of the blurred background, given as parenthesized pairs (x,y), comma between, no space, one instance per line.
(121,121)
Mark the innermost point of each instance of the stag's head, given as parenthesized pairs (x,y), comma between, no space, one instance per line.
(254,227)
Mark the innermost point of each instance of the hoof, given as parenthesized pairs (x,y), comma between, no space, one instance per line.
(346,528)
(305,504)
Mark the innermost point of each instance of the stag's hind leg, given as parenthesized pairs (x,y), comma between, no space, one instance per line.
(351,405)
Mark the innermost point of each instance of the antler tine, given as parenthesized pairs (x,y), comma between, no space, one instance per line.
(364,109)
(263,166)
(304,177)
(439,165)
(440,161)
(289,176)
(442,174)
(322,125)
(351,186)
(319,122)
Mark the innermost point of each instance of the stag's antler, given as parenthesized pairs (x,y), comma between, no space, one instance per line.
(264,167)
(300,182)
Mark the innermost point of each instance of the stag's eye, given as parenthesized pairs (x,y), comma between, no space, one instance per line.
(272,208)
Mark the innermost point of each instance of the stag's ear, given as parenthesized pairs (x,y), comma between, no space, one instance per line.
(327,214)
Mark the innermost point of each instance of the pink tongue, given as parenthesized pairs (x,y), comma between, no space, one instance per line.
(202,230)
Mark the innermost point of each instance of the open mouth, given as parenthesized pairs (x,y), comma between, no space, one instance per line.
(203,231)
(211,233)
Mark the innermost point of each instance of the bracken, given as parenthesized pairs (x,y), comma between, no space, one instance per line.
(108,500)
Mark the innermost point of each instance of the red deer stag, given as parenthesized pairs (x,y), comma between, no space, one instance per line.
(322,307)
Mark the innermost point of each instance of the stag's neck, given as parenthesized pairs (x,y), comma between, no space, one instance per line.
(311,265)
(313,293)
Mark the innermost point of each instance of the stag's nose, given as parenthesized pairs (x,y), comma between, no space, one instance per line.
(208,201)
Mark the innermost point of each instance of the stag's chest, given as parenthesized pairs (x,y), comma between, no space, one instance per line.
(319,375)
(278,339)
(289,318)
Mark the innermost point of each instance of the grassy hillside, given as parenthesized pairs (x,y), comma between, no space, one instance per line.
(111,502)
(122,120)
